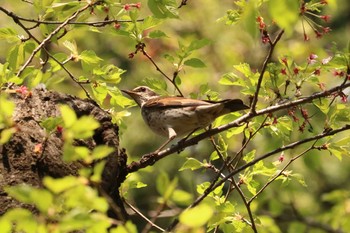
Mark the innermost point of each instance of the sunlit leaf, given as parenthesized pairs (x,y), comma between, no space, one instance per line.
(163,8)
(196,216)
(194,62)
(191,163)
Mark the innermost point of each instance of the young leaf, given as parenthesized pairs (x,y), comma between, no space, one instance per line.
(194,62)
(68,116)
(163,8)
(197,216)
(61,184)
(191,163)
(9,34)
(157,34)
(197,44)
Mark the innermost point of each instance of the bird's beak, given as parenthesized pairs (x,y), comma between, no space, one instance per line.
(126,91)
(130,93)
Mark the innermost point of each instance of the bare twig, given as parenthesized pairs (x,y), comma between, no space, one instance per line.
(263,69)
(141,47)
(143,216)
(247,206)
(49,37)
(100,23)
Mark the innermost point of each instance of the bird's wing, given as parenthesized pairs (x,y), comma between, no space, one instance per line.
(174,102)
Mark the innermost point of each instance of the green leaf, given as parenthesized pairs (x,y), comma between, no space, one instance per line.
(9,35)
(162,182)
(181,197)
(163,8)
(194,62)
(169,57)
(322,104)
(15,56)
(61,184)
(101,152)
(191,163)
(340,148)
(231,79)
(74,153)
(22,219)
(245,69)
(249,156)
(231,17)
(117,99)
(51,123)
(157,34)
(71,46)
(100,92)
(84,127)
(109,74)
(89,59)
(235,131)
(129,227)
(7,108)
(202,187)
(150,22)
(134,14)
(6,134)
(68,116)
(156,84)
(98,170)
(29,195)
(197,216)
(197,44)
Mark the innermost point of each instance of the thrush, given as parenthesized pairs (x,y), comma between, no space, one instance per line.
(172,116)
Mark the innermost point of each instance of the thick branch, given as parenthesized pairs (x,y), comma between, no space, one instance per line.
(150,159)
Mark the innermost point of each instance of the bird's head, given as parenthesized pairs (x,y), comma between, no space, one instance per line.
(141,94)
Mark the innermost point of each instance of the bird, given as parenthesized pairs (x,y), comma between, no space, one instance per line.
(175,116)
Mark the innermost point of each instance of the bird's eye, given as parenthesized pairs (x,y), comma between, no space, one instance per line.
(142,89)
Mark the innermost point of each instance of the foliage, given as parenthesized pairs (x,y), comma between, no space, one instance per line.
(268,170)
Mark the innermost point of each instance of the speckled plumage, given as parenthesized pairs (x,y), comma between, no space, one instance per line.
(172,116)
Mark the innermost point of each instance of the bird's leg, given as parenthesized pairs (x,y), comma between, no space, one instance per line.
(185,138)
(171,135)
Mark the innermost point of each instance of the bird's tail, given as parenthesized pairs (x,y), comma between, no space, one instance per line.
(233,105)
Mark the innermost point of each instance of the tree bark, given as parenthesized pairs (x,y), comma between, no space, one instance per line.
(21,164)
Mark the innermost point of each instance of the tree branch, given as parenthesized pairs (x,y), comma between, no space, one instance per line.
(151,158)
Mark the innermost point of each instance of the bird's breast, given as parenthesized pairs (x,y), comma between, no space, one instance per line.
(183,120)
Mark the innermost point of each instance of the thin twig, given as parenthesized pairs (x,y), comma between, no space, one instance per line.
(142,47)
(143,216)
(94,24)
(49,37)
(247,206)
(263,69)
